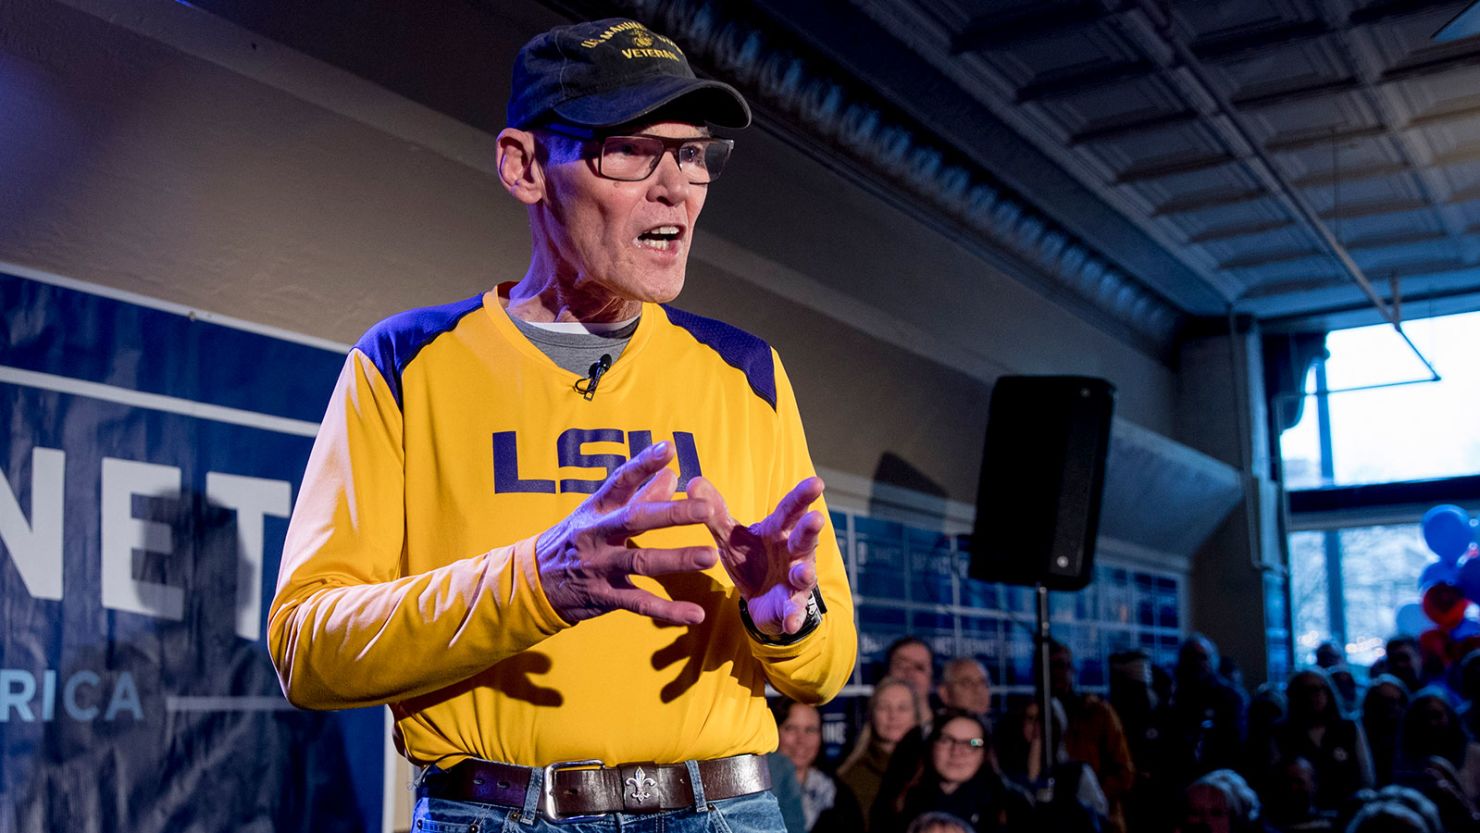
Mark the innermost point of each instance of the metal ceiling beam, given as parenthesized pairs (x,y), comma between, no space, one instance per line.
(1459,157)
(1276,288)
(1243,42)
(1434,66)
(1193,203)
(1256,260)
(1061,84)
(1407,269)
(1346,175)
(1342,315)
(1410,268)
(1285,96)
(1389,241)
(1371,209)
(1215,235)
(1441,116)
(1324,140)
(1130,127)
(993,31)
(1149,172)
(1463,196)
(1367,244)
(1337,86)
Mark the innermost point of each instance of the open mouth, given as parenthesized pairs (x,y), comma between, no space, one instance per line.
(661,238)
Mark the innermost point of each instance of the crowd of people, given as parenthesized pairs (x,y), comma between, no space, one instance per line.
(1185,749)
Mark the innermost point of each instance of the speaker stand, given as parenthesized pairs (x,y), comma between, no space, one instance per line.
(1046,739)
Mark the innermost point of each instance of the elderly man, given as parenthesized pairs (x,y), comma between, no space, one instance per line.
(965,685)
(567,533)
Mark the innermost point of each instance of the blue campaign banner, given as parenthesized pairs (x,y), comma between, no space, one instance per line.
(148,464)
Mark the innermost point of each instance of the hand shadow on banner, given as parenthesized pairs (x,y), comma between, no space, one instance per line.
(303,773)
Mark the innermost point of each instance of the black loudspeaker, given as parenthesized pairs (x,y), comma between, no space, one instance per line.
(1043,477)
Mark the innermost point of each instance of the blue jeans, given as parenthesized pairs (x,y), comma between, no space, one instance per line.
(754,813)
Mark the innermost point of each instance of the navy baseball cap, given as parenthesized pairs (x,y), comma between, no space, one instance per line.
(610,72)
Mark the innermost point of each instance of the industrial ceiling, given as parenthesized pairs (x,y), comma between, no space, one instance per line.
(1308,163)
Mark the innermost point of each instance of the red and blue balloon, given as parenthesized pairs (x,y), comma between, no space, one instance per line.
(1448,585)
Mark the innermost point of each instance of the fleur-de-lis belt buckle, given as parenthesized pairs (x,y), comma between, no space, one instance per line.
(641,785)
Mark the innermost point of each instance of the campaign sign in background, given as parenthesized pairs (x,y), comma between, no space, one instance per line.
(148,463)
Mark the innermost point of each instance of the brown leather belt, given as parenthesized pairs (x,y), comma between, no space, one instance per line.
(574,789)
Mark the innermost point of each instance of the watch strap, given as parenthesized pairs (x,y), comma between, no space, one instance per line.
(815,608)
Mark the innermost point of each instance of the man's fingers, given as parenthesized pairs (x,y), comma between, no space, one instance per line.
(803,539)
(631,475)
(657,562)
(660,486)
(640,517)
(792,507)
(719,521)
(796,616)
(657,608)
(803,575)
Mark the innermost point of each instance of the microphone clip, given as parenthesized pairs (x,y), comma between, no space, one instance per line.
(587,387)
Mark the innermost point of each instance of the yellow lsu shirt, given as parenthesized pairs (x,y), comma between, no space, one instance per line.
(408,573)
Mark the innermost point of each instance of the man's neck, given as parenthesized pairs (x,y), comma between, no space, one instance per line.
(543,296)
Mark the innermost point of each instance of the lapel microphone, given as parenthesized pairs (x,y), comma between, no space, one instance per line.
(587,387)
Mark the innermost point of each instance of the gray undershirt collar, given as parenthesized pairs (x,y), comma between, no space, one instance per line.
(577,351)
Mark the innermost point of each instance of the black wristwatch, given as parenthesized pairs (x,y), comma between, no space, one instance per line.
(815,609)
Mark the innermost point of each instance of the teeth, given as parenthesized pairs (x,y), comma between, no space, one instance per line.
(659,237)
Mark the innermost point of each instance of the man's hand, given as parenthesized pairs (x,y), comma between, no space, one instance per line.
(774,562)
(587,560)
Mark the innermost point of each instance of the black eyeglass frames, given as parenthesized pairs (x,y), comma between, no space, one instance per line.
(634,158)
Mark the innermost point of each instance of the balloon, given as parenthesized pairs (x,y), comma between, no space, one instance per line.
(1467,578)
(1439,572)
(1446,529)
(1445,605)
(1410,619)
(1465,629)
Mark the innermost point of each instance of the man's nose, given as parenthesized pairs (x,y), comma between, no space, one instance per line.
(669,183)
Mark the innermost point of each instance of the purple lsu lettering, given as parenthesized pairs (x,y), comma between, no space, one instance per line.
(569,452)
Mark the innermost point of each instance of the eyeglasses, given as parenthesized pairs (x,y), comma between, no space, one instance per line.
(952,744)
(969,682)
(634,158)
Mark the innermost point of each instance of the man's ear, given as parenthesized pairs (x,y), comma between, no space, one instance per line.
(518,169)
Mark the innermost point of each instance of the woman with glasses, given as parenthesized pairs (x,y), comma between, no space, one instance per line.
(958,775)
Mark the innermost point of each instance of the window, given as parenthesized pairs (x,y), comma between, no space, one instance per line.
(1379,574)
(1363,423)
(1308,592)
(1399,431)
